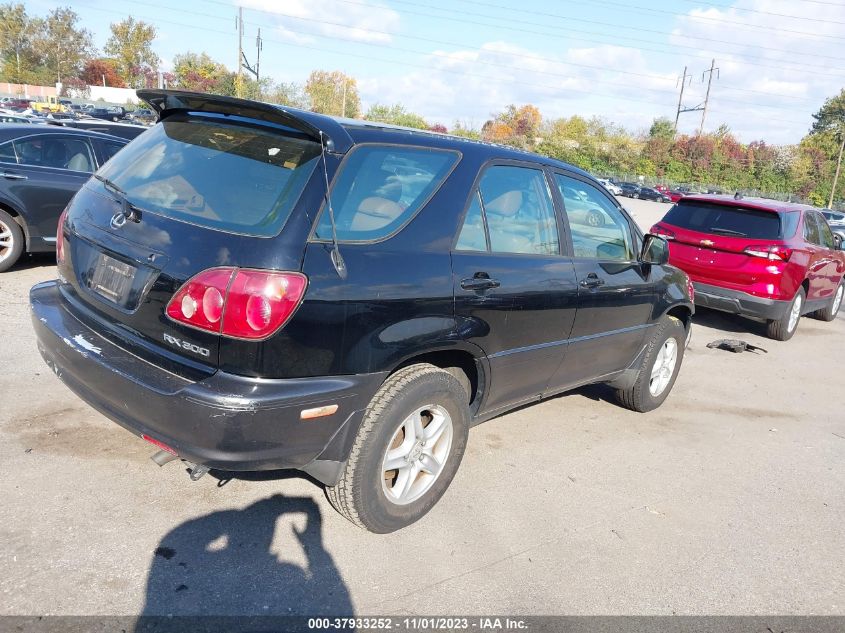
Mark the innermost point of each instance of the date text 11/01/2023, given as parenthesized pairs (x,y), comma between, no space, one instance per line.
(419,623)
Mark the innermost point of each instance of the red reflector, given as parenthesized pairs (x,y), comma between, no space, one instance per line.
(156,442)
(238,302)
(60,238)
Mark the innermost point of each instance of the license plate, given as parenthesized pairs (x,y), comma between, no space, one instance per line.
(112,279)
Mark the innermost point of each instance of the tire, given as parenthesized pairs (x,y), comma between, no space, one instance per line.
(11,241)
(829,312)
(783,328)
(594,218)
(636,195)
(642,397)
(375,499)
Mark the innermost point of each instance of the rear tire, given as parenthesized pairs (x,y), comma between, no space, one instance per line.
(595,219)
(659,369)
(379,500)
(829,312)
(784,328)
(11,241)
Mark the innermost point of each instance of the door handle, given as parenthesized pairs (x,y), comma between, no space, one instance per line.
(12,176)
(479,282)
(591,281)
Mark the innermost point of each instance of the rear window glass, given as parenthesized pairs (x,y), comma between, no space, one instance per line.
(380,188)
(227,176)
(725,220)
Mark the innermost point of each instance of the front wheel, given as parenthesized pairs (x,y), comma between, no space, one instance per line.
(595,219)
(407,450)
(659,369)
(829,312)
(783,328)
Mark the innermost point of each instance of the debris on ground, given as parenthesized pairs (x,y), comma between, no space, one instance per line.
(735,345)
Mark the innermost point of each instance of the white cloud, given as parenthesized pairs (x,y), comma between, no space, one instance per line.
(327,18)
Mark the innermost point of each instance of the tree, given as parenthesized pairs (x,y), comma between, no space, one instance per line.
(102,72)
(333,93)
(830,119)
(662,128)
(289,94)
(198,72)
(65,46)
(131,46)
(395,115)
(18,32)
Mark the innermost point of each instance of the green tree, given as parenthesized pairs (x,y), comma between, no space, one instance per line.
(830,120)
(662,128)
(131,46)
(18,33)
(289,94)
(395,114)
(333,93)
(66,46)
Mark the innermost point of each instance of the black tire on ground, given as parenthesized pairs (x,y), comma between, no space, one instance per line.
(829,312)
(360,495)
(639,396)
(636,195)
(11,243)
(778,329)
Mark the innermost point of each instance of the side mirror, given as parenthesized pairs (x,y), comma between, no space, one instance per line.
(655,250)
(838,242)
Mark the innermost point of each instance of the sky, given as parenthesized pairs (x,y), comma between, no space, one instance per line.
(463,60)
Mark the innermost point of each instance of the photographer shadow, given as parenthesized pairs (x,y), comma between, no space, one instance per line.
(223,564)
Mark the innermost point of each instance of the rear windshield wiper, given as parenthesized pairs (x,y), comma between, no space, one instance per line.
(130,211)
(728,232)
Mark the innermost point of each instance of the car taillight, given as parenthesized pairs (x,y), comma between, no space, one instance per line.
(775,252)
(663,232)
(238,302)
(60,238)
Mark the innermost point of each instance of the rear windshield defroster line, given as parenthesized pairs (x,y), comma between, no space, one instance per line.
(229,176)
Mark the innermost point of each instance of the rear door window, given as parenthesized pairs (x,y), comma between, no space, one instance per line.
(718,219)
(381,187)
(60,152)
(811,229)
(825,234)
(222,174)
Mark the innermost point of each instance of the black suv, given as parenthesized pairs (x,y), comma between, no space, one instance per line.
(251,287)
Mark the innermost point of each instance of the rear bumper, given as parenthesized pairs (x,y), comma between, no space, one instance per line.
(225,421)
(738,302)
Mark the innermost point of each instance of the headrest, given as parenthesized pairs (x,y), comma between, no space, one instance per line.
(506,204)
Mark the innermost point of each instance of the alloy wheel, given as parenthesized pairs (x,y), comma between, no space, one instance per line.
(7,241)
(664,367)
(795,313)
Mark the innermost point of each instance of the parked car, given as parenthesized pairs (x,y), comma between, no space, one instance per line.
(143,115)
(212,302)
(18,104)
(115,113)
(674,195)
(836,221)
(581,206)
(12,118)
(612,188)
(127,131)
(629,189)
(647,193)
(773,261)
(661,188)
(42,168)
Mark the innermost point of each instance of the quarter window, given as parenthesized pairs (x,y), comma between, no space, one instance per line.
(380,188)
(598,228)
(473,236)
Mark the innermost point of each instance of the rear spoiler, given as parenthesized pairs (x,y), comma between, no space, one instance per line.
(168,102)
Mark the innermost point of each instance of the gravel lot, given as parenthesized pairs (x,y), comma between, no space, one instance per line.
(730,499)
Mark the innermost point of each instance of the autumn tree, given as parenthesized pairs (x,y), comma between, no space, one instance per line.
(130,45)
(395,115)
(518,126)
(18,33)
(333,93)
(830,121)
(65,45)
(198,72)
(289,94)
(102,72)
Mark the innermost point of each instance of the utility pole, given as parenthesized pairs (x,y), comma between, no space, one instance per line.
(259,44)
(838,167)
(681,97)
(240,25)
(707,95)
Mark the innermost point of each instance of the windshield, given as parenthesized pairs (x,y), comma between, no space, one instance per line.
(726,220)
(227,176)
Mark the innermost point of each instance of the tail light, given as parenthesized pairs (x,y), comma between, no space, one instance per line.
(60,238)
(775,252)
(663,232)
(238,302)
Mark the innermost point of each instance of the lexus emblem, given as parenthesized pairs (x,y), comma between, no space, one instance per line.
(118,220)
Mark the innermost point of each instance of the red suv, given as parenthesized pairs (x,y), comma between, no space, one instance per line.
(765,259)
